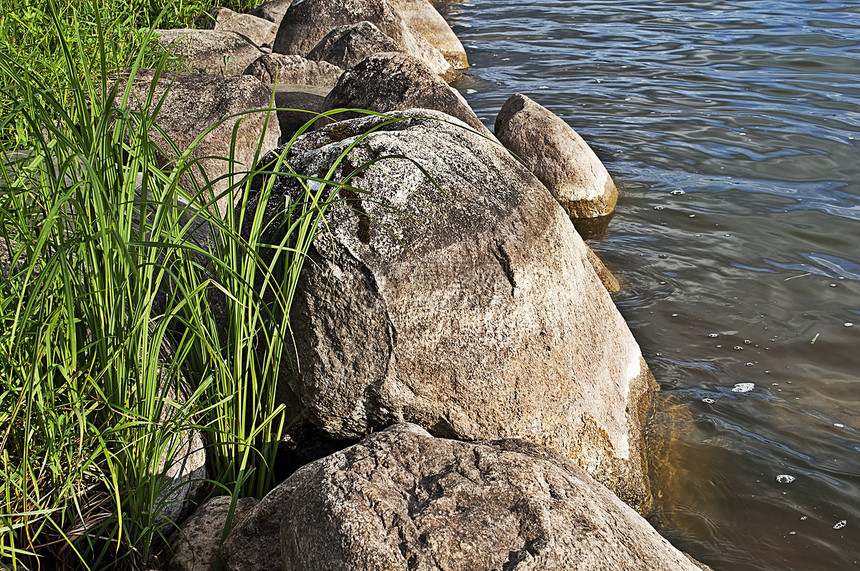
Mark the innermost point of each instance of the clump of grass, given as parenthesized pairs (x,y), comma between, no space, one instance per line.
(111,355)
(124,28)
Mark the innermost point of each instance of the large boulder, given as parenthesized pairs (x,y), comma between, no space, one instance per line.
(307,22)
(469,307)
(293,69)
(394,81)
(558,156)
(422,17)
(210,51)
(193,103)
(402,499)
(346,46)
(258,30)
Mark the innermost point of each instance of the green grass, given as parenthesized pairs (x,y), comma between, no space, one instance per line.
(23,38)
(111,350)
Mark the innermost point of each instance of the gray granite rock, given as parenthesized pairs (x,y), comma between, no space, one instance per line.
(293,69)
(469,308)
(401,499)
(193,103)
(209,51)
(395,81)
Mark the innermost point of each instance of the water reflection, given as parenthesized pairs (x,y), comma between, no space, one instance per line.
(730,128)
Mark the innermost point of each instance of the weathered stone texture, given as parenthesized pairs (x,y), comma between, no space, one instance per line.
(558,156)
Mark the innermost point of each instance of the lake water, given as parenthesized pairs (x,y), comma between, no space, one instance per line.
(731,128)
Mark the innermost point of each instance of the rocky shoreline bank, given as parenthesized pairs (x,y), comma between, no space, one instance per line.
(454,334)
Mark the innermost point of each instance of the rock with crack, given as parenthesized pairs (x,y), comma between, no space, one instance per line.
(306,23)
(558,156)
(401,499)
(465,303)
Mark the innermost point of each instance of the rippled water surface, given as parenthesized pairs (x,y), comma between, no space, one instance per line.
(732,131)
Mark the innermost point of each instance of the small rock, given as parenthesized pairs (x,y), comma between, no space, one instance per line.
(558,156)
(293,69)
(194,546)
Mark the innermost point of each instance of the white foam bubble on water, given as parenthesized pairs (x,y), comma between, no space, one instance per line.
(743,387)
(785,478)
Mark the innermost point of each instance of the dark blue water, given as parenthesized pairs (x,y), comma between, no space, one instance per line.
(732,130)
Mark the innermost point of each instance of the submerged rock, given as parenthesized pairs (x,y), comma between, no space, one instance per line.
(558,156)
(469,308)
(401,499)
(607,278)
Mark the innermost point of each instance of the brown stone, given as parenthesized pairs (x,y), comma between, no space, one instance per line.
(306,23)
(210,51)
(258,30)
(421,16)
(195,102)
(469,308)
(395,81)
(558,156)
(293,69)
(347,46)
